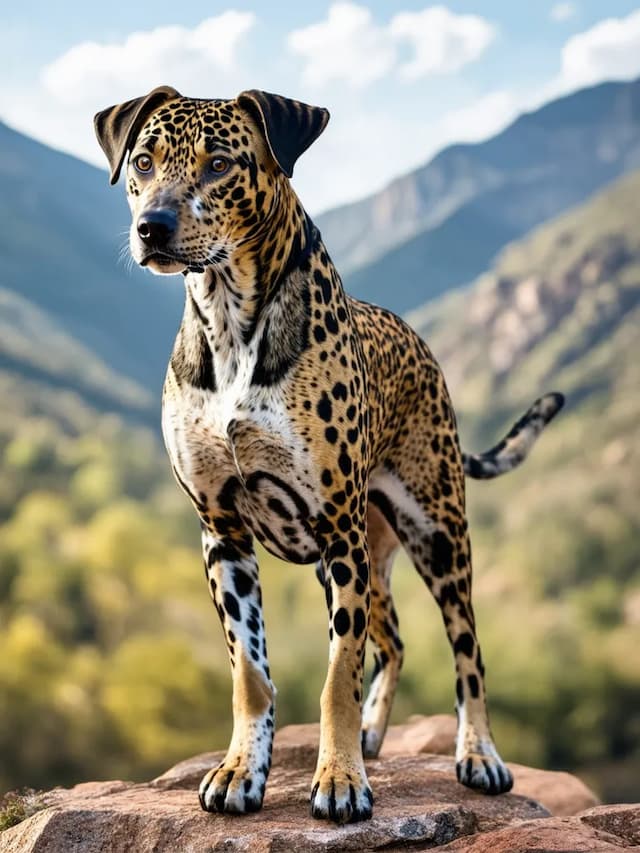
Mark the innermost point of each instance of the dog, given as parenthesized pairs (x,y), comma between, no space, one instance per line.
(313,422)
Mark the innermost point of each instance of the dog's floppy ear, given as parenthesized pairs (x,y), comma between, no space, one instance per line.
(117,126)
(289,126)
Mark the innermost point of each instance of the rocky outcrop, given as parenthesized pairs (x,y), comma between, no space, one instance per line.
(603,829)
(419,805)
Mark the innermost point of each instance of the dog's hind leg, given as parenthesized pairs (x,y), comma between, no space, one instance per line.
(430,521)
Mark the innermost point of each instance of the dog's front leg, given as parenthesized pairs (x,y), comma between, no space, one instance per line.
(237,785)
(341,791)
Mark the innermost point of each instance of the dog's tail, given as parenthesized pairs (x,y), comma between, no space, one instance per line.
(514,447)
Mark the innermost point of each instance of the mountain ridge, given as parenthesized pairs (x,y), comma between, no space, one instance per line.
(544,162)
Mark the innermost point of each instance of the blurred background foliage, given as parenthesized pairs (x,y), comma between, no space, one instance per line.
(113,663)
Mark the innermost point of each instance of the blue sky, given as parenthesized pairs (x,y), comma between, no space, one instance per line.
(402,79)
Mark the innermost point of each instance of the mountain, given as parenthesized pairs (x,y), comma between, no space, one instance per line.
(559,307)
(440,226)
(61,229)
(35,349)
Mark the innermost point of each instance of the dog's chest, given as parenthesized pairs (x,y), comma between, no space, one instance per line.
(239,444)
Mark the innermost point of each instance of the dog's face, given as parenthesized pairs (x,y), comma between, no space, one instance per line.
(200,180)
(203,176)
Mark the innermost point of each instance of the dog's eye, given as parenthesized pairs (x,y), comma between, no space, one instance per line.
(219,165)
(143,163)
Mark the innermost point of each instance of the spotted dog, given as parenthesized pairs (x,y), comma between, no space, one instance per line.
(315,423)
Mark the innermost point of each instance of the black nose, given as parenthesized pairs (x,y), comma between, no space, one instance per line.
(156,227)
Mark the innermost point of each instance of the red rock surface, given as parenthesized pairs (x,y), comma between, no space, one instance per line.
(604,829)
(418,805)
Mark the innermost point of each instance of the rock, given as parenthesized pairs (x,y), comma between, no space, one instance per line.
(418,805)
(561,793)
(603,829)
(436,734)
(622,821)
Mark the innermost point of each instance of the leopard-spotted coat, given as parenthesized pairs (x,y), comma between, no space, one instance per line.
(316,423)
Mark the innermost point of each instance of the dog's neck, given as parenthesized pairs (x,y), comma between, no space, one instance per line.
(252,308)
(231,294)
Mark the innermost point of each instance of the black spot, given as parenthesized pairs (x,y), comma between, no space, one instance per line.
(464,644)
(331,434)
(441,554)
(352,435)
(344,523)
(231,606)
(341,622)
(474,687)
(339,548)
(359,621)
(324,407)
(243,583)
(339,391)
(341,573)
(331,322)
(345,463)
(319,334)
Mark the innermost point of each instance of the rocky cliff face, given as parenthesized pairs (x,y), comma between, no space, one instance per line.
(418,806)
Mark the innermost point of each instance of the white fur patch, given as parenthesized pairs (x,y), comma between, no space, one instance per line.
(402,500)
(196,207)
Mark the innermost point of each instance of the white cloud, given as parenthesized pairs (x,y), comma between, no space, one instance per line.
(91,72)
(486,116)
(609,50)
(443,42)
(207,60)
(563,11)
(349,46)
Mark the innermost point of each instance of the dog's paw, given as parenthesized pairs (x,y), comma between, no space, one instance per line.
(233,787)
(344,797)
(485,773)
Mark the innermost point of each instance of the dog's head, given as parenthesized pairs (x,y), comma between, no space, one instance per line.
(203,176)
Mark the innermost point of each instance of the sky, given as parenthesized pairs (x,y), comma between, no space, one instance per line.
(401,79)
